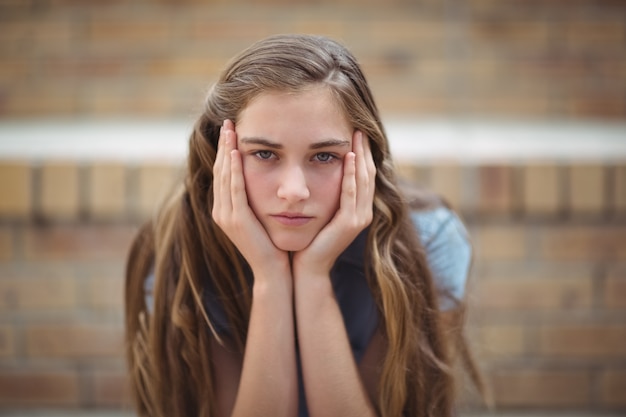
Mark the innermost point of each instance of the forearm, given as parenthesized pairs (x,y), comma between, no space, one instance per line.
(331,377)
(268,384)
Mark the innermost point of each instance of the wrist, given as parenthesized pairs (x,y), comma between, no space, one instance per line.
(310,269)
(272,275)
(312,282)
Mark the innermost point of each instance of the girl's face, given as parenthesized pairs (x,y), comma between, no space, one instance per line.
(292,146)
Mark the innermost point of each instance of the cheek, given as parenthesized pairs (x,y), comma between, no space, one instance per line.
(256,185)
(328,189)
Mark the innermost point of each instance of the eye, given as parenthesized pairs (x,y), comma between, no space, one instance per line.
(264,154)
(324,157)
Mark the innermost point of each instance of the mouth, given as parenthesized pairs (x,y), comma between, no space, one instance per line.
(291,219)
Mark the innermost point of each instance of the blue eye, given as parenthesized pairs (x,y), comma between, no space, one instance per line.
(324,157)
(264,154)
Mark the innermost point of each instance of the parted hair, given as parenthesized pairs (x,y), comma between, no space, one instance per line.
(169,345)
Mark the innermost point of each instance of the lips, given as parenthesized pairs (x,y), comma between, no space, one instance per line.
(291,219)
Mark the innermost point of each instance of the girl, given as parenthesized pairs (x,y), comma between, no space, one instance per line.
(286,276)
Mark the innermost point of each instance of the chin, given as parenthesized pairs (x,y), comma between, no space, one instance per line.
(291,245)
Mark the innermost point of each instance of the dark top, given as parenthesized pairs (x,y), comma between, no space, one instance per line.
(448,253)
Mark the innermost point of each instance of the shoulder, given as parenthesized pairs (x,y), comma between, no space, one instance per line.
(438,223)
(447,248)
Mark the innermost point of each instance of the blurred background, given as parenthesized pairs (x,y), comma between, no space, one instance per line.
(513,110)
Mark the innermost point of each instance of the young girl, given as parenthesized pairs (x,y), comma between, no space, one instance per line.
(287,277)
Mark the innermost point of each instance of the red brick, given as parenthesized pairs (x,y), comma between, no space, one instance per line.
(546,293)
(54,35)
(587,341)
(613,387)
(107,190)
(107,292)
(510,103)
(112,389)
(541,388)
(16,30)
(608,106)
(155,183)
(407,171)
(605,33)
(60,190)
(114,99)
(39,388)
(6,244)
(520,33)
(445,179)
(394,100)
(131,32)
(541,189)
(242,28)
(501,340)
(7,341)
(74,341)
(76,242)
(197,67)
(15,189)
(615,289)
(484,70)
(619,189)
(14,69)
(52,292)
(583,243)
(436,70)
(34,99)
(496,189)
(546,68)
(407,30)
(587,189)
(85,67)
(500,242)
(333,27)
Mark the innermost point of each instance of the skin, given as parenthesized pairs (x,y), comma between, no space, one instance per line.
(293,147)
(291,263)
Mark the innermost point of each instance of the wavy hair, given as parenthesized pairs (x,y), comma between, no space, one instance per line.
(169,350)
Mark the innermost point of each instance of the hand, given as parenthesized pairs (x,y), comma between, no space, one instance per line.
(354,214)
(231,210)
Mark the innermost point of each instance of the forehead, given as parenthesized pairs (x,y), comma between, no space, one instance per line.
(312,113)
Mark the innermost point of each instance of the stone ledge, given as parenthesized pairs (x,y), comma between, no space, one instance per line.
(466,141)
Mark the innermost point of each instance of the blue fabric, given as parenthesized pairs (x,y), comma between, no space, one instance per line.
(448,253)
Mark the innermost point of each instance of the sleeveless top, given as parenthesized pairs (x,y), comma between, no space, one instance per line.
(448,253)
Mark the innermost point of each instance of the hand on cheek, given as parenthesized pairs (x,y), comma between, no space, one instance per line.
(354,214)
(231,211)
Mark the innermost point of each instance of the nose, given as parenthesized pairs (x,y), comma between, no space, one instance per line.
(293,185)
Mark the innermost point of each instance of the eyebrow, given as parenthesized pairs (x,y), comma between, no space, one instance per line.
(330,143)
(261,141)
(317,145)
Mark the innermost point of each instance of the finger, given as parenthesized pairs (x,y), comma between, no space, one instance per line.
(225,170)
(217,169)
(237,182)
(348,184)
(217,165)
(365,180)
(369,157)
(361,165)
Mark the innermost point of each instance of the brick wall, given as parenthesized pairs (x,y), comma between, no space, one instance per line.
(65,229)
(539,59)
(549,282)
(547,294)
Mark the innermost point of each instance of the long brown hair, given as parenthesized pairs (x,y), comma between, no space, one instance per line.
(169,350)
